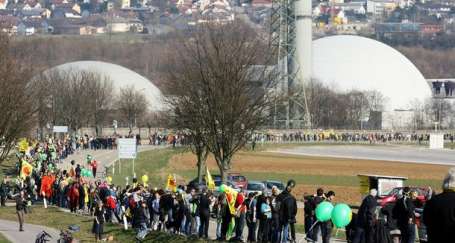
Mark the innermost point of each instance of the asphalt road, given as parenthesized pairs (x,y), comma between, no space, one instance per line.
(399,153)
(10,230)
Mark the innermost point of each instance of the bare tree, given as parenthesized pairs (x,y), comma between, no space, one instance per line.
(132,105)
(17,106)
(218,85)
(73,98)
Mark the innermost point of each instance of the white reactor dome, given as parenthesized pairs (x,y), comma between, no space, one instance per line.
(346,62)
(121,78)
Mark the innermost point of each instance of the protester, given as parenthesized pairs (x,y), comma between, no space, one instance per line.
(251,217)
(4,188)
(98,222)
(240,216)
(326,227)
(439,212)
(366,219)
(21,205)
(404,213)
(266,219)
(288,211)
(204,213)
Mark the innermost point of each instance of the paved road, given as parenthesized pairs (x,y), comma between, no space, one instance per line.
(105,158)
(400,153)
(10,230)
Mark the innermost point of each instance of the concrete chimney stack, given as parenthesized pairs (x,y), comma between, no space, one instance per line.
(303,41)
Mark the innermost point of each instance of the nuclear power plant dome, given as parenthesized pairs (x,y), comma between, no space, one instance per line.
(121,77)
(352,62)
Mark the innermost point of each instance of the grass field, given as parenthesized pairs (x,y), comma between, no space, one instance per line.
(339,175)
(152,163)
(3,239)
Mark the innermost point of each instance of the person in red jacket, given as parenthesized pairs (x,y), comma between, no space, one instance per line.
(94,164)
(73,195)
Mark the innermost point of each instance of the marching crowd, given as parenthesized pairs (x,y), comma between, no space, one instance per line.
(332,136)
(266,217)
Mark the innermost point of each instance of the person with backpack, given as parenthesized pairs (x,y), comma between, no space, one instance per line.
(287,206)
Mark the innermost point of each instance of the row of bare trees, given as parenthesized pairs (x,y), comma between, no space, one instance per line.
(217,92)
(17,108)
(78,98)
(342,110)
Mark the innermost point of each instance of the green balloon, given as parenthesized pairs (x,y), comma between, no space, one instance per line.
(222,188)
(324,211)
(341,215)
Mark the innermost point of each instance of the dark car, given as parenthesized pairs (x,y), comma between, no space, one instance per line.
(269,184)
(194,184)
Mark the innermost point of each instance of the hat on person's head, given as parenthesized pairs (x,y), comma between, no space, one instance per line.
(291,183)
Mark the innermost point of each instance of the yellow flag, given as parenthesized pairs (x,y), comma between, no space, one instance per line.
(209,180)
(231,197)
(26,169)
(23,145)
(171,184)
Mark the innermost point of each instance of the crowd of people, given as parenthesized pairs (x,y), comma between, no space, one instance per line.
(333,136)
(266,217)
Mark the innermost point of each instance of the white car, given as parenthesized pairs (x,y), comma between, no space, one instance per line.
(255,187)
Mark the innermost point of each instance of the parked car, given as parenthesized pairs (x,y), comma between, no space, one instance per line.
(270,183)
(216,192)
(194,184)
(239,180)
(395,193)
(255,187)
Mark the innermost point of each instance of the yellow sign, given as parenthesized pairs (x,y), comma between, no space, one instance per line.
(364,184)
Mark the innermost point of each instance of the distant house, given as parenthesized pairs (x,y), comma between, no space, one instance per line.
(122,25)
(33,26)
(261,3)
(9,24)
(66,10)
(431,29)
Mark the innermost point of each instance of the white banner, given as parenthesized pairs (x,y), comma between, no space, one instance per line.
(127,148)
(60,129)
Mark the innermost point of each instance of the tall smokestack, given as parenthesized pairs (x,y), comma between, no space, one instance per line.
(304,38)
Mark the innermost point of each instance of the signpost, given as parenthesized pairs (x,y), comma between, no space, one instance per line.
(127,149)
(62,129)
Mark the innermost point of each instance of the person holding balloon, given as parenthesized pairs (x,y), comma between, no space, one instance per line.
(326,227)
(340,215)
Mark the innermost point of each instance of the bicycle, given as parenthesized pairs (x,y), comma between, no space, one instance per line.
(43,237)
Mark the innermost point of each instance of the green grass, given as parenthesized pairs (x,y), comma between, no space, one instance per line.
(54,218)
(152,163)
(3,239)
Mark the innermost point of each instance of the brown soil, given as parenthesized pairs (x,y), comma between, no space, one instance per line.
(277,163)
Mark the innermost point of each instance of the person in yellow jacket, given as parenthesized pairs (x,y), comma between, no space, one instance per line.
(86,198)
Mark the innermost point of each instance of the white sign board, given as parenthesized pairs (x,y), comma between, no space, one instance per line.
(60,129)
(436,141)
(127,148)
(386,185)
